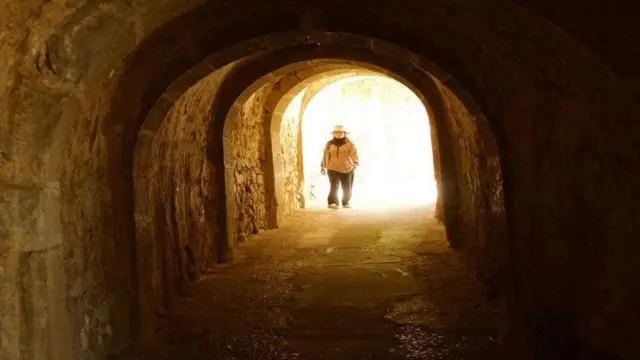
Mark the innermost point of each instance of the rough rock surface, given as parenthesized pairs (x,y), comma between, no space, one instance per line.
(478,226)
(556,81)
(328,285)
(290,142)
(178,242)
(248,141)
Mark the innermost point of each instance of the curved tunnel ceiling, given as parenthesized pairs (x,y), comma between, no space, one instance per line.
(86,75)
(245,74)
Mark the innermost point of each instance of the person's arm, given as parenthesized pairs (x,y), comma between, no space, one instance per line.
(323,163)
(353,154)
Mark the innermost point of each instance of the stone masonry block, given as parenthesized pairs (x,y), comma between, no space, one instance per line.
(32,217)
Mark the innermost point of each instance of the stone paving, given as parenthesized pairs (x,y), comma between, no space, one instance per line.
(345,284)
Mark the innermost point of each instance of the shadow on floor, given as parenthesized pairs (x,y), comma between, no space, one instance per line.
(347,284)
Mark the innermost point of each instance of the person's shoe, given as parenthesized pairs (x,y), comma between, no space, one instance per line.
(333,206)
(346,206)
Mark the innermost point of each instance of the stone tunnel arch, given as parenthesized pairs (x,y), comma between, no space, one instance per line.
(265,79)
(436,110)
(239,79)
(314,88)
(288,79)
(313,83)
(311,87)
(296,77)
(101,112)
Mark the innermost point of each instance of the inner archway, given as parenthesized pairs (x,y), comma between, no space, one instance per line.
(83,246)
(390,127)
(242,110)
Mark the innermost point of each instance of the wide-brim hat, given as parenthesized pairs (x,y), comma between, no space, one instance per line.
(339,128)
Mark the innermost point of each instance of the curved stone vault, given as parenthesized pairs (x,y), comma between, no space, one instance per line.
(140,141)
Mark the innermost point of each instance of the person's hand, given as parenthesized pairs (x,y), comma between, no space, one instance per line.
(323,171)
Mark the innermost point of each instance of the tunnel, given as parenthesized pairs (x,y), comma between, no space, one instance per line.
(391,128)
(145,180)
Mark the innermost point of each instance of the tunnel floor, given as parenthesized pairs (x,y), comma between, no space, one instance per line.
(346,284)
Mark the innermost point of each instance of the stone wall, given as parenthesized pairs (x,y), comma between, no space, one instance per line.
(65,232)
(178,240)
(438,211)
(248,156)
(290,142)
(465,218)
(180,217)
(77,78)
(476,223)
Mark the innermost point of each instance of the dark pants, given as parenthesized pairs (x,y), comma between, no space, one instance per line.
(345,181)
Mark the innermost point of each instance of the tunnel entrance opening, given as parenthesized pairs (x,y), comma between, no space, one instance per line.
(246,139)
(84,83)
(389,126)
(228,147)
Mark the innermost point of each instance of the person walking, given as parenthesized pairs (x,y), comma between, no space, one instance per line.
(339,161)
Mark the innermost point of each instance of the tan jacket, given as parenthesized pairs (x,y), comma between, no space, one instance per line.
(341,159)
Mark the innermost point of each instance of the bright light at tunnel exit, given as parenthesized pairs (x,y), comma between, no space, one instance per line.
(390,128)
